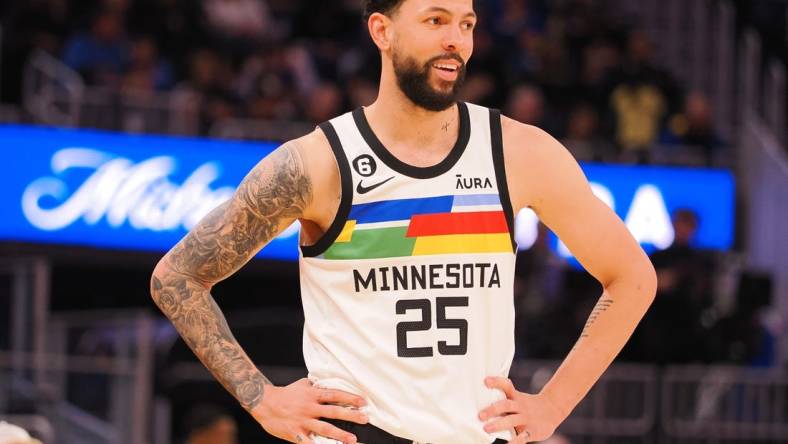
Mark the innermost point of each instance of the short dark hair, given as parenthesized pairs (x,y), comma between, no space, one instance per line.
(385,7)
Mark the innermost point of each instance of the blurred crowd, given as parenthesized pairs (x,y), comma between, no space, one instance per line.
(690,322)
(573,67)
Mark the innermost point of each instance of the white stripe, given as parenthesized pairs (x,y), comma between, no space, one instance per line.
(466,209)
(387,224)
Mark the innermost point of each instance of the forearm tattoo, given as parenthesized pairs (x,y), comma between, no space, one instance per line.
(270,198)
(200,322)
(600,308)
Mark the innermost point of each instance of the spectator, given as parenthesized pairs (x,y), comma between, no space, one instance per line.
(147,71)
(102,54)
(239,25)
(641,98)
(599,59)
(742,338)
(270,87)
(672,331)
(361,91)
(526,104)
(486,74)
(694,127)
(324,103)
(583,138)
(175,25)
(209,81)
(516,16)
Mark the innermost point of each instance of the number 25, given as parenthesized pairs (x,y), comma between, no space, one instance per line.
(425,324)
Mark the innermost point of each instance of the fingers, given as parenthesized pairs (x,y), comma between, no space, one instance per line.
(498,409)
(506,423)
(522,438)
(303,438)
(343,413)
(330,396)
(330,431)
(504,384)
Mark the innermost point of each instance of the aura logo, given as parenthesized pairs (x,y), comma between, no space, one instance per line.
(647,219)
(473,183)
(119,190)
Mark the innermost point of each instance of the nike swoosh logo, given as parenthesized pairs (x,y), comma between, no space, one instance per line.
(361,189)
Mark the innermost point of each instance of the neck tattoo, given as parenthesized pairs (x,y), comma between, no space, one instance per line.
(445,126)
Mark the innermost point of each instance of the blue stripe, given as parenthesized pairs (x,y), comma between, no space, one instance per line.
(400,209)
(476,199)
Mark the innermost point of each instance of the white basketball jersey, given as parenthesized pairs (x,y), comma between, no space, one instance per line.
(408,296)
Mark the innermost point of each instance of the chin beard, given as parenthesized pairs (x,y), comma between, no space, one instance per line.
(414,81)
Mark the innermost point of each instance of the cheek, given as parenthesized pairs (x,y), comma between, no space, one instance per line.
(468,49)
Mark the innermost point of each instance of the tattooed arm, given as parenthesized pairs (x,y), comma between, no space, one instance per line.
(279,190)
(553,185)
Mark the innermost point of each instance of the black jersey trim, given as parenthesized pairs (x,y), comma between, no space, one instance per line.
(345,202)
(496,136)
(409,170)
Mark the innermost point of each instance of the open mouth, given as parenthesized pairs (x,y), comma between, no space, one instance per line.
(447,67)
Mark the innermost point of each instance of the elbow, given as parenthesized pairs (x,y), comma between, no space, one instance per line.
(639,280)
(167,289)
(157,278)
(647,282)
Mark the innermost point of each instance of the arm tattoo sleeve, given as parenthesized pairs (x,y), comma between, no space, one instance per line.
(269,199)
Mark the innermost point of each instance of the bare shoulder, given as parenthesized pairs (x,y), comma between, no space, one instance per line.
(536,164)
(527,142)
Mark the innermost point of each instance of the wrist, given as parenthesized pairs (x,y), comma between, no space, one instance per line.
(262,408)
(553,409)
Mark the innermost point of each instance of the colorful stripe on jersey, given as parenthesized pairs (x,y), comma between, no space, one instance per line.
(426,226)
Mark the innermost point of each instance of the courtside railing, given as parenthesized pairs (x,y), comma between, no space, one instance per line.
(724,404)
(92,383)
(639,403)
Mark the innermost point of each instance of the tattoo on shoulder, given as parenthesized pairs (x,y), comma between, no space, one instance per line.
(271,197)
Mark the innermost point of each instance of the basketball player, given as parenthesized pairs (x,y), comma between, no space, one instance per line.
(407,258)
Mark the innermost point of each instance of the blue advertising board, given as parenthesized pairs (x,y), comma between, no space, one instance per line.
(121,191)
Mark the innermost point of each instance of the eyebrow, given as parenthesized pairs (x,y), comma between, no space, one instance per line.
(446,11)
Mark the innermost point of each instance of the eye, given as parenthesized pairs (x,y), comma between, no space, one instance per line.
(468,25)
(434,20)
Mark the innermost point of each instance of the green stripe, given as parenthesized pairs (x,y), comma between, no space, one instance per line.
(373,244)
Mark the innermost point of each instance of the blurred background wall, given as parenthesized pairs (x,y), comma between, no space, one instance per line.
(124,121)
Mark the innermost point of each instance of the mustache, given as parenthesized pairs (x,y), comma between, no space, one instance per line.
(448,55)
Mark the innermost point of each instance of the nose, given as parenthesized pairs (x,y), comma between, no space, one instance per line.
(452,40)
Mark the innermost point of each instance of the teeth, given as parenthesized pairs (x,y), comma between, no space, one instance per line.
(445,66)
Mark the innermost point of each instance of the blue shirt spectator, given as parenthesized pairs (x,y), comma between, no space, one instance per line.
(102,54)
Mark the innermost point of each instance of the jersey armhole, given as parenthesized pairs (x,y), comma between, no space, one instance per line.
(346,199)
(496,138)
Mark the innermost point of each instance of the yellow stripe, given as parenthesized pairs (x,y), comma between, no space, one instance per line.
(463,243)
(347,232)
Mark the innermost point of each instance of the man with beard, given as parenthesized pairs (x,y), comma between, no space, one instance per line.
(407,258)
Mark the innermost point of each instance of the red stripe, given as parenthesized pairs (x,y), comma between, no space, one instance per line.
(481,222)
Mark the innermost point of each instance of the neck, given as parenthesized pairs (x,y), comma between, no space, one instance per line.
(395,117)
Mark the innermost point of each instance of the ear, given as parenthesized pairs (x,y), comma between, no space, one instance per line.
(380,30)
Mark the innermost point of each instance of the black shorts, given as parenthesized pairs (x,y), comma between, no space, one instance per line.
(369,434)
